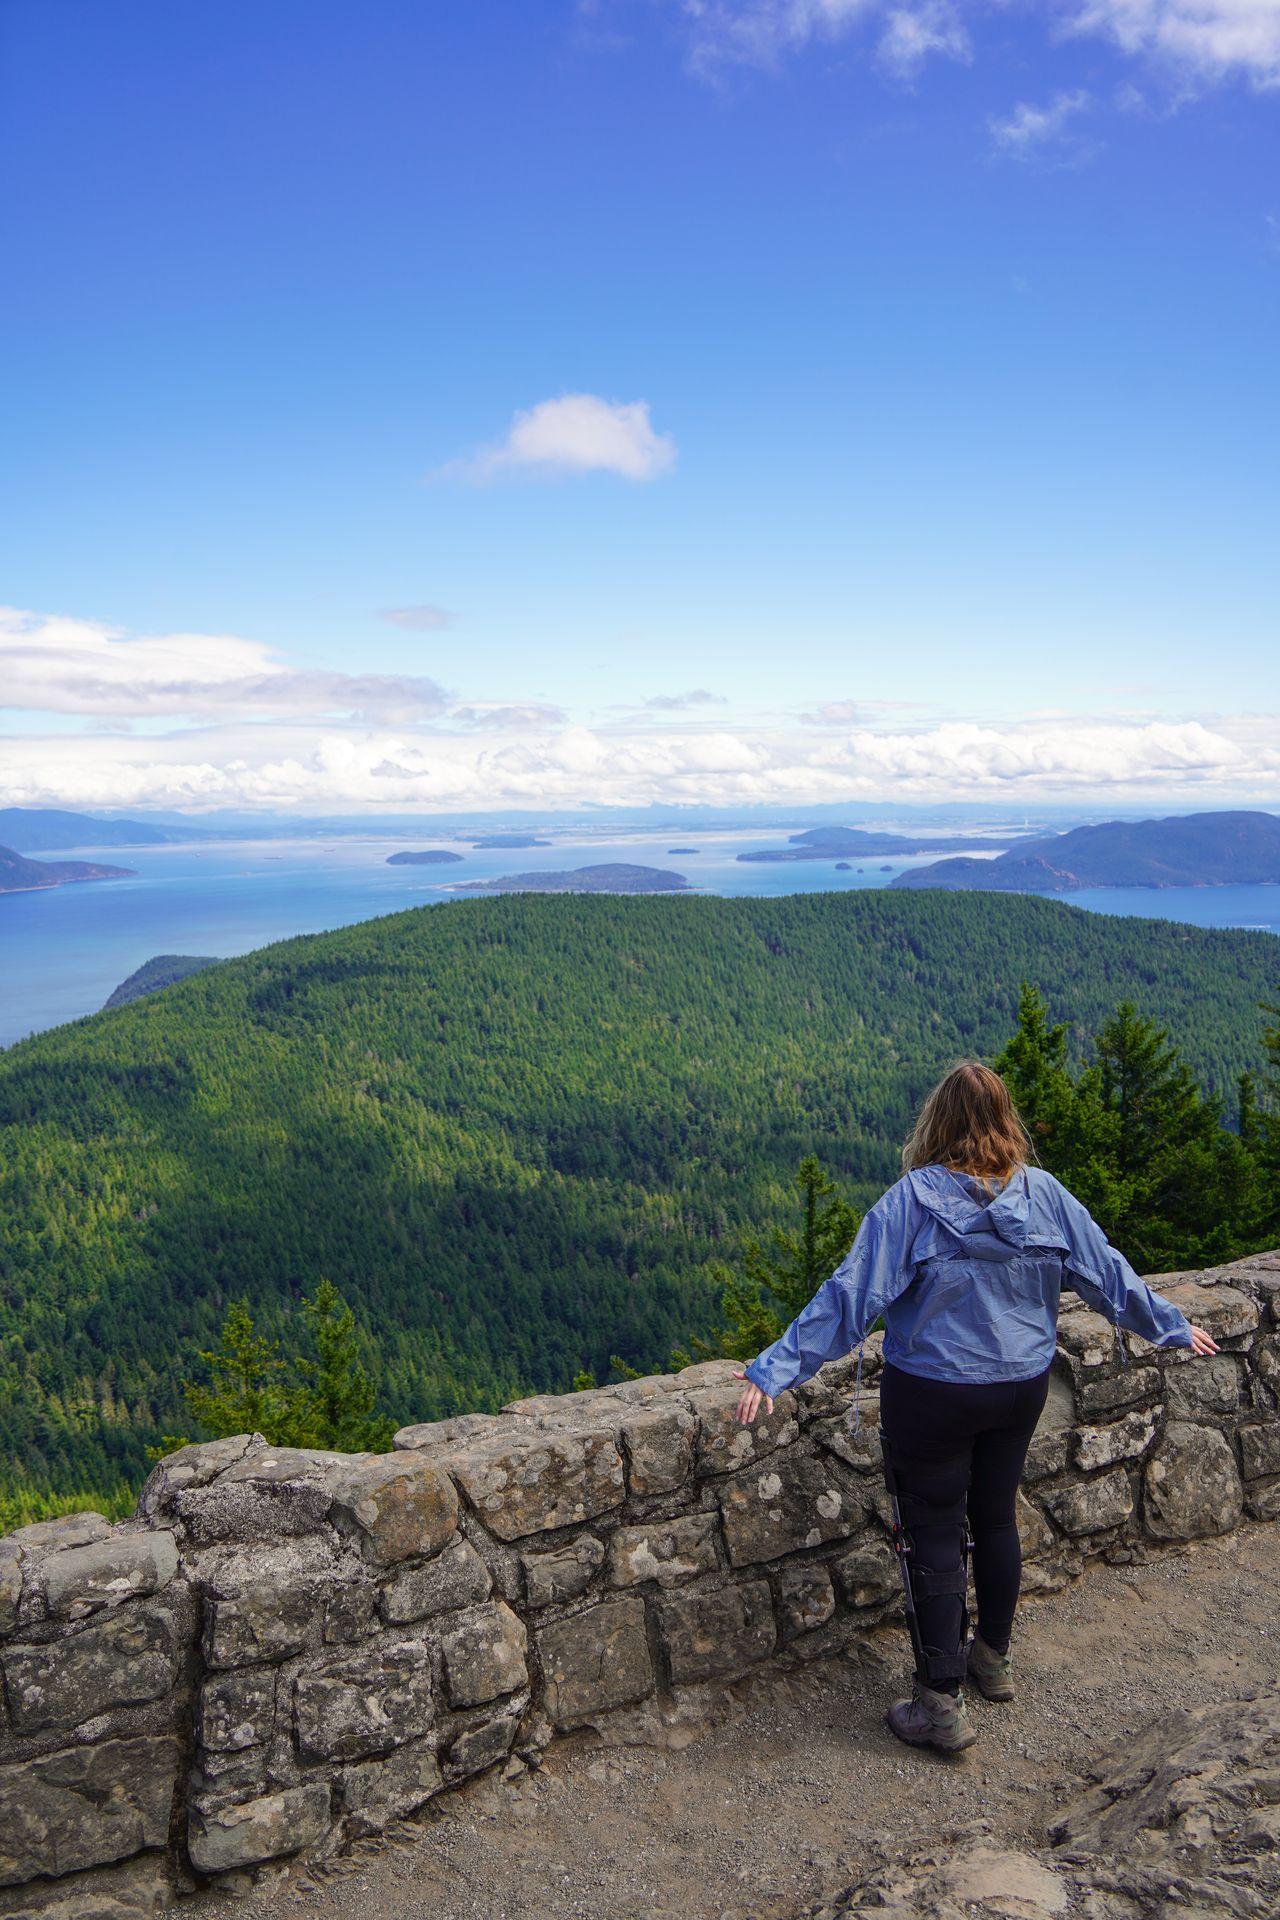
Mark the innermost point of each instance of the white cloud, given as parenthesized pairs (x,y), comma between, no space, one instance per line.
(1201,39)
(1212,38)
(52,664)
(576,433)
(679,702)
(1030,130)
(912,34)
(421,619)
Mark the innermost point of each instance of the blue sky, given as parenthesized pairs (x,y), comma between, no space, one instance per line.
(898,380)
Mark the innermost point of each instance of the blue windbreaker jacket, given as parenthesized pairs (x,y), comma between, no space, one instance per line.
(968,1285)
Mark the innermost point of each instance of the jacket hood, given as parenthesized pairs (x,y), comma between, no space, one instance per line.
(987,1229)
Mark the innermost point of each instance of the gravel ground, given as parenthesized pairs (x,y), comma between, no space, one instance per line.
(800,1789)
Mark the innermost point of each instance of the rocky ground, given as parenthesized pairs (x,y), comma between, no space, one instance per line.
(797,1801)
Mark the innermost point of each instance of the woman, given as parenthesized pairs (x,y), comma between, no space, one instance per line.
(965,1258)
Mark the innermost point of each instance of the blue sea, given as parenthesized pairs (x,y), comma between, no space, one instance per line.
(63,950)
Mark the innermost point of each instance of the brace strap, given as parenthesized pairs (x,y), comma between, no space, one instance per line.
(929,1585)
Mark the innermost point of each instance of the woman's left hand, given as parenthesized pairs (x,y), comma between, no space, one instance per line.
(750,1400)
(1202,1342)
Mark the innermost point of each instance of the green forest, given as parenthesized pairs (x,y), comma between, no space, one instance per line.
(517,1134)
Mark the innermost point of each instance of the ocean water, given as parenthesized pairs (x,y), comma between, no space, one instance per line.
(63,950)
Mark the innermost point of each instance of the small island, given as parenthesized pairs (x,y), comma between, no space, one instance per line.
(825,843)
(687,851)
(843,866)
(509,840)
(429,857)
(609,878)
(164,970)
(20,875)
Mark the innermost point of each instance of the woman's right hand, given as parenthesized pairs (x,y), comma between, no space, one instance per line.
(1202,1342)
(750,1400)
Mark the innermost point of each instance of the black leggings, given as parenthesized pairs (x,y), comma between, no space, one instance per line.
(954,1447)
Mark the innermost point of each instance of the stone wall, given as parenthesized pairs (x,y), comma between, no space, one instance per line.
(284,1650)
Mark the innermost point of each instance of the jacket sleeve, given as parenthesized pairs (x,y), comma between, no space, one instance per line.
(876,1269)
(1105,1281)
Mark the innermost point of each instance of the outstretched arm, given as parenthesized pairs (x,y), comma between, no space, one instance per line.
(875,1271)
(1103,1278)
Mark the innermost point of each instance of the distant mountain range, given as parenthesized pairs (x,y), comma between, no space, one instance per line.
(20,875)
(610,877)
(45,829)
(837,843)
(1187,850)
(165,970)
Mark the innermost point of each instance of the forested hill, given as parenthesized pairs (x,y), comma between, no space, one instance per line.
(511,1130)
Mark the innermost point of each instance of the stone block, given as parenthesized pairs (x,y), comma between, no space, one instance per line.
(455,1578)
(273,1824)
(794,1500)
(454,1432)
(724,1444)
(1098,1395)
(709,1633)
(350,1611)
(1093,1505)
(484,1655)
(1262,1499)
(372,1793)
(806,1598)
(255,1616)
(84,1806)
(351,1706)
(530,1483)
(237,1710)
(860,1446)
(552,1578)
(136,1889)
(10,1585)
(1086,1339)
(1035,1535)
(868,1576)
(191,1467)
(1260,1449)
(476,1748)
(130,1657)
(1203,1384)
(1048,1455)
(668,1551)
(401,1505)
(1102,1446)
(125,1564)
(594,1661)
(658,1444)
(1222,1311)
(1191,1486)
(68,1530)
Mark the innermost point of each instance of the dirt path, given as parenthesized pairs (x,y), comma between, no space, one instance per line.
(802,1790)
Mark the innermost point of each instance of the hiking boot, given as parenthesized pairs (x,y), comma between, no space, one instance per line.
(930,1719)
(990,1672)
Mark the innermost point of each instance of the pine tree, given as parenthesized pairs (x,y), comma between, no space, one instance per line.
(771,1287)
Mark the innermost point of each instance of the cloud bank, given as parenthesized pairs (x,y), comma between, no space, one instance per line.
(226,724)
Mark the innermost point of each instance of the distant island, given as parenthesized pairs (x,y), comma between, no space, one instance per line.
(511,840)
(45,829)
(687,851)
(429,857)
(165,970)
(20,875)
(1188,850)
(837,843)
(610,878)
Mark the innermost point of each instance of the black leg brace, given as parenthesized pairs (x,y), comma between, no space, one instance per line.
(933,1664)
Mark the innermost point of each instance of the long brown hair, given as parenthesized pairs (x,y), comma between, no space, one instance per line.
(969,1124)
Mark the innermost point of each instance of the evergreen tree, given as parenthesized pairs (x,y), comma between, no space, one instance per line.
(771,1286)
